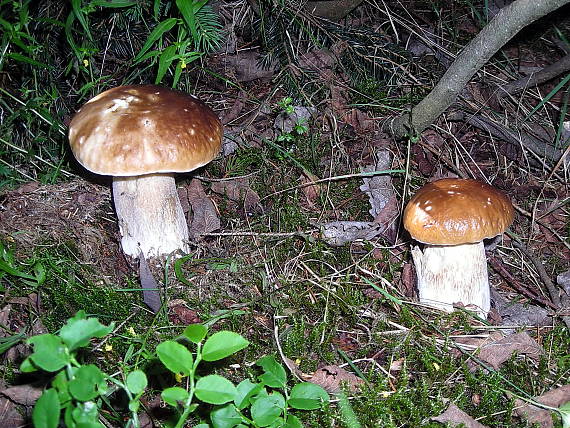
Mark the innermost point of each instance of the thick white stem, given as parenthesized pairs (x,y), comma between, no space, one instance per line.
(453,274)
(150,216)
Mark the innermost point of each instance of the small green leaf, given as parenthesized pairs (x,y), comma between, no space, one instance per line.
(61,385)
(275,375)
(188,11)
(307,396)
(49,354)
(175,357)
(28,366)
(79,330)
(23,58)
(266,410)
(225,417)
(47,409)
(86,415)
(195,332)
(81,16)
(173,395)
(293,422)
(222,344)
(85,382)
(155,34)
(136,381)
(245,390)
(214,389)
(164,60)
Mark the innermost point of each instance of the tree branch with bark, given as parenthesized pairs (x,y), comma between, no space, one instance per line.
(503,27)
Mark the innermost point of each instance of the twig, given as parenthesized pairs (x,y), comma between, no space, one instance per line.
(541,76)
(561,302)
(517,285)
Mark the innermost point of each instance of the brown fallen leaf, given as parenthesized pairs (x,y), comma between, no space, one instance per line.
(537,415)
(246,65)
(236,109)
(338,233)
(311,191)
(9,415)
(496,353)
(26,395)
(454,416)
(181,314)
(238,190)
(332,377)
(204,215)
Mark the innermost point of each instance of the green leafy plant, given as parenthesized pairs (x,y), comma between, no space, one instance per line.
(78,391)
(197,32)
(261,404)
(75,386)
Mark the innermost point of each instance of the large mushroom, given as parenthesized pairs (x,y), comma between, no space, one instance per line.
(452,217)
(142,135)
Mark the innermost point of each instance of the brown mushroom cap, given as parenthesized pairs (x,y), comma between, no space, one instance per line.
(456,211)
(138,130)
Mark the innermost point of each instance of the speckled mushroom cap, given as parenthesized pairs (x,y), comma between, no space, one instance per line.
(455,211)
(137,130)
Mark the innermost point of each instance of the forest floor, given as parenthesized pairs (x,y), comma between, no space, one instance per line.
(301,252)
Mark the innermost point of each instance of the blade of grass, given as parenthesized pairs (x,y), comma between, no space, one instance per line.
(155,34)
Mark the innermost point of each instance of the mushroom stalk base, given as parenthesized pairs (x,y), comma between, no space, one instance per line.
(453,274)
(150,216)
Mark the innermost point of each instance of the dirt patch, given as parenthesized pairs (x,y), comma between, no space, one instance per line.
(77,213)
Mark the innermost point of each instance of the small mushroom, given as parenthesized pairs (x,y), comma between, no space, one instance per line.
(142,135)
(452,217)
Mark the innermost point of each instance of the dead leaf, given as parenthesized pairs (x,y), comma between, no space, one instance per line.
(238,190)
(286,122)
(26,395)
(204,215)
(563,280)
(424,159)
(4,319)
(9,415)
(543,417)
(181,314)
(236,109)
(311,191)
(384,204)
(331,378)
(246,65)
(396,365)
(338,233)
(496,353)
(514,313)
(454,416)
(408,280)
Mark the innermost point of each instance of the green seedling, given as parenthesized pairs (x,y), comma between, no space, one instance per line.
(248,404)
(78,391)
(32,273)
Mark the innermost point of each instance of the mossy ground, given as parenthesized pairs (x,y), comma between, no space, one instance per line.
(281,286)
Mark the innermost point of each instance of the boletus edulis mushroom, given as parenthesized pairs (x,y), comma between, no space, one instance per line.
(141,135)
(451,218)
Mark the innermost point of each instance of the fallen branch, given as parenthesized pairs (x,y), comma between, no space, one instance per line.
(504,26)
(544,75)
(498,130)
